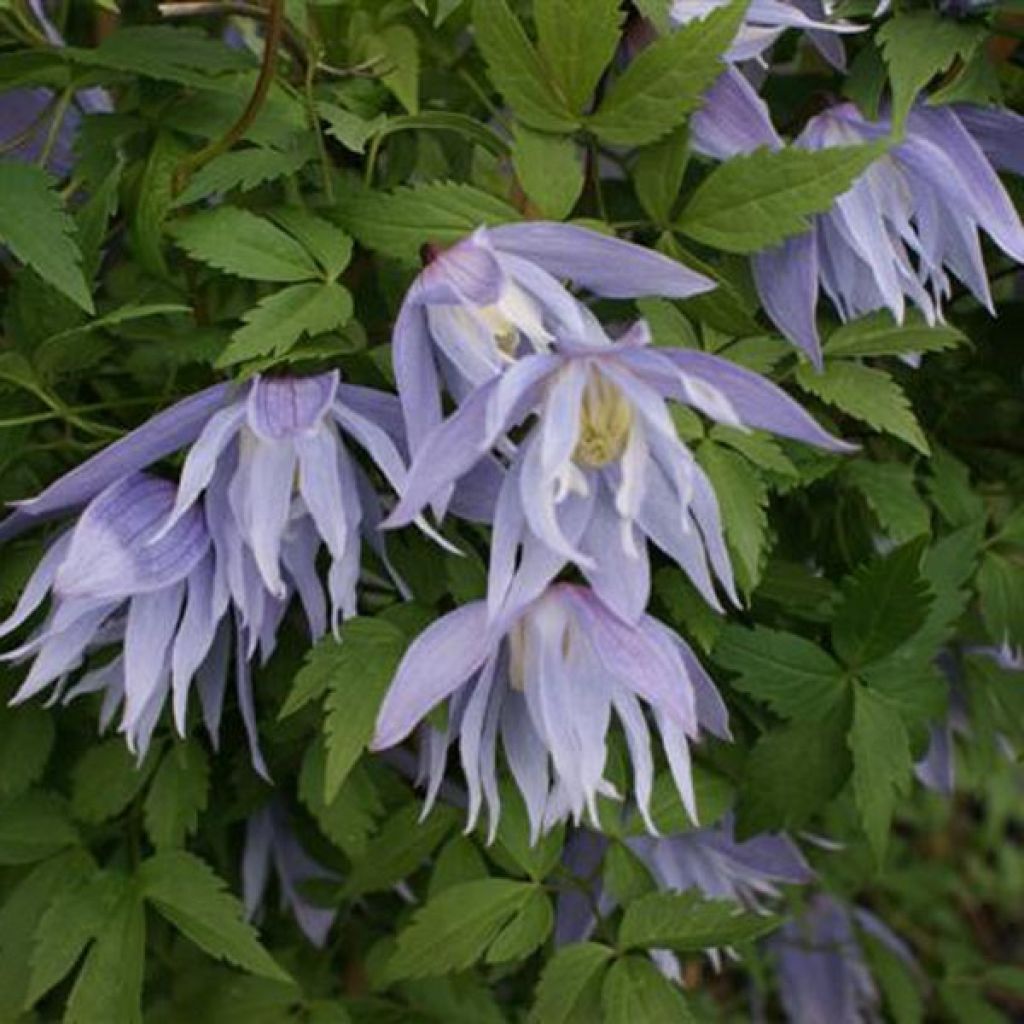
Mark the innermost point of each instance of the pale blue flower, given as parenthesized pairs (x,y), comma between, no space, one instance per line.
(545,680)
(602,469)
(480,305)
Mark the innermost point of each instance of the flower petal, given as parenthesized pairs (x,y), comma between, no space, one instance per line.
(280,408)
(787,282)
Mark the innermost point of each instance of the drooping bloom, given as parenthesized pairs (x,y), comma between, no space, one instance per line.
(271,842)
(603,468)
(823,975)
(480,305)
(29,116)
(278,482)
(117,578)
(546,680)
(766,20)
(908,225)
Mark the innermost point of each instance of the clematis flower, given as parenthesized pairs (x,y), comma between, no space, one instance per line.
(31,117)
(908,225)
(480,305)
(603,468)
(117,578)
(766,20)
(271,842)
(823,975)
(546,680)
(278,482)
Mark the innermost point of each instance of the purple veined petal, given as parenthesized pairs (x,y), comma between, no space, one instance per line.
(527,759)
(295,867)
(262,492)
(677,753)
(194,637)
(606,266)
(994,208)
(476,494)
(439,661)
(759,403)
(379,407)
(280,408)
(298,553)
(112,552)
(211,682)
(937,769)
(259,830)
(163,434)
(556,302)
(108,680)
(787,283)
(61,653)
(712,714)
(706,513)
(375,440)
(574,914)
(998,131)
(320,487)
(452,449)
(796,15)
(662,520)
(246,704)
(369,503)
(637,658)
(467,273)
(203,458)
(773,856)
(559,427)
(517,392)
(149,635)
(469,352)
(638,739)
(875,926)
(471,730)
(416,374)
(732,120)
(342,578)
(38,586)
(620,578)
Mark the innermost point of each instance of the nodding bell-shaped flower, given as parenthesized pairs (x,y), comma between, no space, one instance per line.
(479,306)
(546,679)
(117,577)
(909,224)
(602,469)
(278,483)
(822,970)
(766,20)
(270,842)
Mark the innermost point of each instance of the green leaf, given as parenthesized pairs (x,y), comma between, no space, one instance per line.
(352,131)
(889,489)
(658,175)
(577,40)
(880,335)
(177,796)
(153,202)
(794,771)
(244,170)
(35,226)
(569,985)
(743,499)
(689,924)
(1001,592)
(763,450)
(189,895)
(866,394)
(760,199)
(105,781)
(238,242)
(400,223)
(33,826)
(526,931)
(624,874)
(550,169)
(400,848)
(635,990)
(896,980)
(667,81)
(882,764)
(793,676)
(26,739)
(517,70)
(327,243)
(364,664)
(74,918)
(455,929)
(514,848)
(281,320)
(109,986)
(398,52)
(458,862)
(884,604)
(917,46)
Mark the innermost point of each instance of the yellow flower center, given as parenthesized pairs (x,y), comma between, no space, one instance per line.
(606,420)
